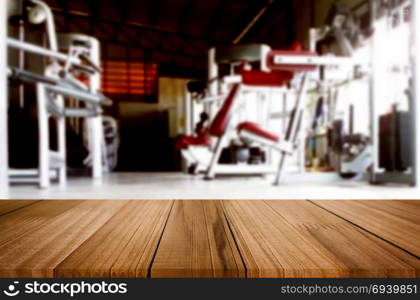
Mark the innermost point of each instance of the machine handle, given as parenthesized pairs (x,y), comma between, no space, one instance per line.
(86,59)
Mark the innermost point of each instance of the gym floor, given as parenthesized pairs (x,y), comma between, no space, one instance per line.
(182,186)
(219,238)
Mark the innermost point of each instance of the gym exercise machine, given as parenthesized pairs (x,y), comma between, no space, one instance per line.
(313,67)
(224,127)
(383,29)
(256,103)
(387,151)
(60,82)
(277,68)
(344,146)
(366,159)
(88,49)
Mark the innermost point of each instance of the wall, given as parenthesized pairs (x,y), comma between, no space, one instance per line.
(172,97)
(148,131)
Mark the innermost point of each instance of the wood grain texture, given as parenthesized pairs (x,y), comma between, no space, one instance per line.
(123,247)
(63,227)
(7,206)
(298,239)
(196,243)
(161,238)
(358,253)
(271,247)
(395,221)
(28,220)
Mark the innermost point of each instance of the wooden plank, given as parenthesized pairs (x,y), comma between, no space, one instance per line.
(37,252)
(359,253)
(270,247)
(29,219)
(397,252)
(194,239)
(298,239)
(197,242)
(7,206)
(124,246)
(407,209)
(395,221)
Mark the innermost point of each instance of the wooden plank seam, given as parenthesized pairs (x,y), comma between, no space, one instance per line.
(365,230)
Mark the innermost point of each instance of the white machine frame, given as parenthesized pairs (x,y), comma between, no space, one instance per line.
(4,146)
(208,158)
(369,67)
(377,174)
(285,148)
(47,157)
(416,90)
(213,103)
(51,161)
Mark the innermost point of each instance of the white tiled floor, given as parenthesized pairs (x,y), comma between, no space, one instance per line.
(181,186)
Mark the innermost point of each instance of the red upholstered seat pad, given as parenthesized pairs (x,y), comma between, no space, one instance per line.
(221,121)
(257,130)
(184,141)
(216,129)
(261,78)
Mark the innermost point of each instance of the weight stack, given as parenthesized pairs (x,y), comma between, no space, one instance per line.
(395,142)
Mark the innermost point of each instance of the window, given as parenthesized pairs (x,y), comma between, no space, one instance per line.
(135,81)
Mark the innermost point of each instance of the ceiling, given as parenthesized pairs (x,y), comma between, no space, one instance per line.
(176,33)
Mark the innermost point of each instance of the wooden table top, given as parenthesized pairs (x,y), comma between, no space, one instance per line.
(210,239)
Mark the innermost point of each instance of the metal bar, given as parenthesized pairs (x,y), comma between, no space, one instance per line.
(13,43)
(28,173)
(50,25)
(374,96)
(24,180)
(188,126)
(95,124)
(415,90)
(316,60)
(210,174)
(54,85)
(188,123)
(4,159)
(21,63)
(61,142)
(73,93)
(251,24)
(213,72)
(293,126)
(30,77)
(43,128)
(78,113)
